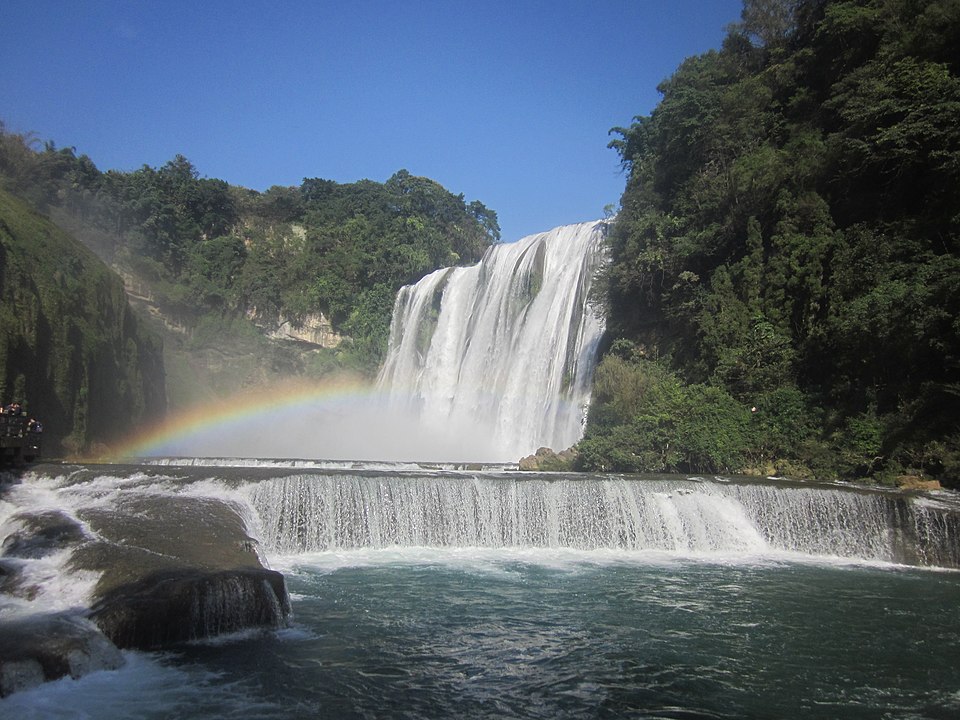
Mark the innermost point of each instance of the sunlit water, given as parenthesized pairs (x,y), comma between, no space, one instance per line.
(532,631)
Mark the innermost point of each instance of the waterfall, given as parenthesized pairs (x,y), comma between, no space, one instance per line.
(336,511)
(500,355)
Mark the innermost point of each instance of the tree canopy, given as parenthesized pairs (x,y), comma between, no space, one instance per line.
(210,249)
(788,243)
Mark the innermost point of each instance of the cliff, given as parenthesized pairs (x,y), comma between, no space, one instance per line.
(71,349)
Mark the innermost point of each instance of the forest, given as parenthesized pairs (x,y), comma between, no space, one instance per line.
(209,249)
(783,291)
(215,268)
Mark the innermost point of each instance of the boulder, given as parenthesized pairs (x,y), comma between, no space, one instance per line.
(48,647)
(173,607)
(176,568)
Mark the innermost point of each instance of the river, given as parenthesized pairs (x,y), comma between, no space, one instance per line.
(447,592)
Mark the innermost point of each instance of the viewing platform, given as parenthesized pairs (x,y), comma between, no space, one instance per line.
(20,439)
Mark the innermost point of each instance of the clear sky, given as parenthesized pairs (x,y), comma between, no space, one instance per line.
(509,103)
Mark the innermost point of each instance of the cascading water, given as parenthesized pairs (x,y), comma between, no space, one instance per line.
(500,355)
(437,593)
(343,511)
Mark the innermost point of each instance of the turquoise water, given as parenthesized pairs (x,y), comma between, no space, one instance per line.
(449,594)
(422,633)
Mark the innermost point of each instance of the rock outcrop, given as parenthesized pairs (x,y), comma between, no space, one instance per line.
(915,482)
(546,460)
(176,568)
(314,329)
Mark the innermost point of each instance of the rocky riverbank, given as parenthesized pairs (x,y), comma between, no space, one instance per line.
(161,569)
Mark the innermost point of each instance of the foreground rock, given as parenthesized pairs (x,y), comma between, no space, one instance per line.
(34,650)
(546,460)
(36,535)
(177,568)
(171,568)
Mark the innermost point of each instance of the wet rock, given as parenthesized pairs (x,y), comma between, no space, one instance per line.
(36,649)
(36,535)
(177,568)
(173,607)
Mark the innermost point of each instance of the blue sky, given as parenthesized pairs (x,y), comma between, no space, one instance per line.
(508,103)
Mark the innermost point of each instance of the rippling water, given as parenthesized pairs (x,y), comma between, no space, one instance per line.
(420,633)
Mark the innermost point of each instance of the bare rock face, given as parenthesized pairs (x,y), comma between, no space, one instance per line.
(313,329)
(915,482)
(546,460)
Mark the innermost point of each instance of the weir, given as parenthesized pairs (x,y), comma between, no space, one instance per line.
(338,511)
(500,354)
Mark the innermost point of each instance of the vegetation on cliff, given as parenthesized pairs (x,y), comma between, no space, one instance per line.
(71,349)
(784,283)
(220,267)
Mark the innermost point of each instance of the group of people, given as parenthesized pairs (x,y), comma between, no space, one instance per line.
(16,410)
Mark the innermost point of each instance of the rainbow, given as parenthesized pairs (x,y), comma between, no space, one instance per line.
(217,418)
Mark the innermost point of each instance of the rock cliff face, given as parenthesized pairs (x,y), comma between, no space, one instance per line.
(170,569)
(315,329)
(71,349)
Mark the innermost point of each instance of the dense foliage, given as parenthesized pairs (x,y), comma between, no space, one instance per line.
(215,254)
(71,350)
(784,285)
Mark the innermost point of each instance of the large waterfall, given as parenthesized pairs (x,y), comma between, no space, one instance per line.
(500,355)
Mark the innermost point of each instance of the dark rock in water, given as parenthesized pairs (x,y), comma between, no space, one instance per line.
(8,578)
(41,534)
(178,606)
(177,568)
(36,649)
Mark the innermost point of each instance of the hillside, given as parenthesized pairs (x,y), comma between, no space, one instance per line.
(71,349)
(784,284)
(249,288)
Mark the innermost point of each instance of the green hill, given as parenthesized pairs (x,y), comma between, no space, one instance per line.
(245,288)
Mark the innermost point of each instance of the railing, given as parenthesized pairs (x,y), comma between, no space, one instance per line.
(18,440)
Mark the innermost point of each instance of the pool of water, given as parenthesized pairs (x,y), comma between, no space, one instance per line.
(466,633)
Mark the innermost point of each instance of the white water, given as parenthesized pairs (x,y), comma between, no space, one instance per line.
(500,355)
(337,512)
